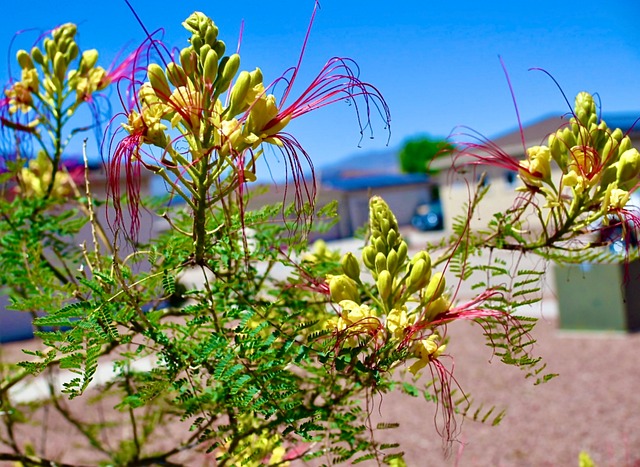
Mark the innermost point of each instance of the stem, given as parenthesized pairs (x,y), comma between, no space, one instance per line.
(200,213)
(34,460)
(57,141)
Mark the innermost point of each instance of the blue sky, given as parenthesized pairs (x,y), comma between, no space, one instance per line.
(436,63)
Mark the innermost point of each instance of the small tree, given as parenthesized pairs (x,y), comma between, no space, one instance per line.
(418,152)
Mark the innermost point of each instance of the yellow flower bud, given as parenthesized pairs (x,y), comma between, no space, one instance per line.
(256,77)
(37,56)
(380,245)
(176,74)
(567,138)
(342,288)
(402,253)
(59,66)
(609,149)
(369,257)
(392,238)
(381,262)
(625,145)
(228,69)
(88,60)
(220,48)
(158,81)
(24,59)
(384,284)
(196,41)
(435,288)
(392,261)
(557,150)
(571,179)
(419,276)
(628,167)
(350,266)
(436,307)
(50,47)
(386,225)
(210,67)
(203,52)
(617,135)
(72,52)
(238,94)
(188,60)
(211,34)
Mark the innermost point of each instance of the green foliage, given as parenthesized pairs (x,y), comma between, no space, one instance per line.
(417,153)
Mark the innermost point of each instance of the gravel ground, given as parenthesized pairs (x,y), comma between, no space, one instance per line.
(593,405)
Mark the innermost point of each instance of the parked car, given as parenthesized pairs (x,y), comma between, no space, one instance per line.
(428,216)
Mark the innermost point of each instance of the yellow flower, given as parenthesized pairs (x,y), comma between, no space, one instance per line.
(31,79)
(37,177)
(188,101)
(233,139)
(427,350)
(576,181)
(20,98)
(263,110)
(356,317)
(616,199)
(397,321)
(537,167)
(148,124)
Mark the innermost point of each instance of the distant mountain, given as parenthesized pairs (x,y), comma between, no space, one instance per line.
(378,162)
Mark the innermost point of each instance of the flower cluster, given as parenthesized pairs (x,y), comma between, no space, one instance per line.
(394,312)
(404,306)
(185,95)
(211,120)
(52,72)
(599,166)
(56,78)
(36,178)
(585,173)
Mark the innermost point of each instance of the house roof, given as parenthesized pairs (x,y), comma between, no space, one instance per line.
(380,180)
(537,132)
(362,164)
(374,169)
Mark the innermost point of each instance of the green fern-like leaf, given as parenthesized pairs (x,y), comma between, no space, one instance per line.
(168,283)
